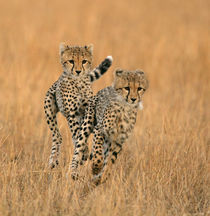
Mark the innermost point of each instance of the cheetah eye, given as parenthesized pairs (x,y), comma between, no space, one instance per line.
(140,88)
(71,61)
(84,61)
(127,88)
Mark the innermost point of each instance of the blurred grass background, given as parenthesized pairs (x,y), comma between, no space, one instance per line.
(163,169)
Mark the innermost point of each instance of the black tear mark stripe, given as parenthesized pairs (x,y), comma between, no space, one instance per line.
(128,92)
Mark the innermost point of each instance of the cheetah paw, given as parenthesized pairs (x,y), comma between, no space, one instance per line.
(53,164)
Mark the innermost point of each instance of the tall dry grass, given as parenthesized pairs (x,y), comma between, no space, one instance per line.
(163,169)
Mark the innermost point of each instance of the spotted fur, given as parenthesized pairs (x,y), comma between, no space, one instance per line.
(115,109)
(71,94)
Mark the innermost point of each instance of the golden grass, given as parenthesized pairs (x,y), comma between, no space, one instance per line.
(163,169)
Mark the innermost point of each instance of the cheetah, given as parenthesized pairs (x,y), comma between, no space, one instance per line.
(71,94)
(115,115)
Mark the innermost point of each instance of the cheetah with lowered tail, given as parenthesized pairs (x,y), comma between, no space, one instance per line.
(115,115)
(71,94)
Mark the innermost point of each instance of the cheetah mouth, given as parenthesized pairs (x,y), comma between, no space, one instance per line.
(133,103)
(76,75)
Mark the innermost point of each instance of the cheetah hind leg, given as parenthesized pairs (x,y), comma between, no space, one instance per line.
(86,129)
(97,156)
(81,151)
(51,110)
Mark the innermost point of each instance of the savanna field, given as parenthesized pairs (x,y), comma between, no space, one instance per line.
(164,168)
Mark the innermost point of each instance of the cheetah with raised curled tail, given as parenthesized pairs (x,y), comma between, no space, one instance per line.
(71,94)
(115,116)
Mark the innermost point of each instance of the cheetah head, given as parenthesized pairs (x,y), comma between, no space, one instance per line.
(130,85)
(76,60)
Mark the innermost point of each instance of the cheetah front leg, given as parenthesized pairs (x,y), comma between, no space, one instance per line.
(51,110)
(115,138)
(111,156)
(75,127)
(116,142)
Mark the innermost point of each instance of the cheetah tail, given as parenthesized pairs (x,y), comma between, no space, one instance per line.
(101,69)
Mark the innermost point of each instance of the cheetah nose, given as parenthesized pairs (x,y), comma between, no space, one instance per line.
(78,72)
(133,99)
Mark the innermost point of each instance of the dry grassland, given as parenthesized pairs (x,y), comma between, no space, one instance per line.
(163,169)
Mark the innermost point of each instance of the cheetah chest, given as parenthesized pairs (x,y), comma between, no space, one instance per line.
(72,92)
(124,119)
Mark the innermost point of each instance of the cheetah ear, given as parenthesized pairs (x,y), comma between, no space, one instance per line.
(143,77)
(62,48)
(118,72)
(140,72)
(89,48)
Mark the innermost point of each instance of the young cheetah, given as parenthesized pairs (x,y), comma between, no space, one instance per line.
(115,115)
(71,94)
